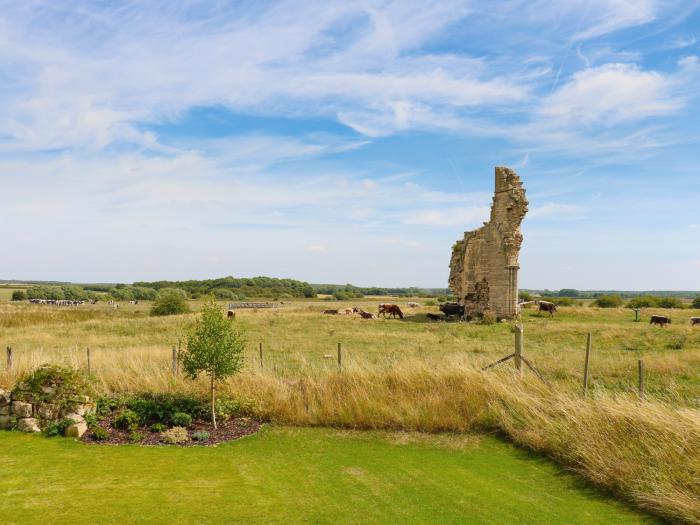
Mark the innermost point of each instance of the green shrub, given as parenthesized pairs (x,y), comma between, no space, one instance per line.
(127,420)
(670,302)
(169,302)
(61,384)
(180,419)
(229,408)
(92,420)
(135,437)
(174,436)
(200,435)
(100,434)
(56,428)
(644,301)
(608,301)
(19,295)
(696,302)
(563,301)
(160,408)
(431,302)
(158,427)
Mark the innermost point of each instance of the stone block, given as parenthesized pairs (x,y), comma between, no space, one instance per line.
(28,424)
(21,409)
(47,411)
(78,427)
(5,410)
(7,422)
(4,398)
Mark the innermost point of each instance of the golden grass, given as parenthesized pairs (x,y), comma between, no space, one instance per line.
(416,376)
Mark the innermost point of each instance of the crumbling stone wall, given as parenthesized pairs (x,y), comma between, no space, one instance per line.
(30,407)
(484,265)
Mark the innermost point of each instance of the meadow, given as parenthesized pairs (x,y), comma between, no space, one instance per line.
(416,375)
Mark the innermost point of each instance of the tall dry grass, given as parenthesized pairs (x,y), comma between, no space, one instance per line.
(647,452)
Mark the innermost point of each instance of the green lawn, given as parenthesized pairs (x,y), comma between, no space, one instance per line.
(286,475)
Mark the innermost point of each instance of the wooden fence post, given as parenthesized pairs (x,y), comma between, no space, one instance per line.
(518,347)
(585,365)
(9,358)
(261,354)
(641,378)
(88,360)
(179,351)
(340,358)
(174,360)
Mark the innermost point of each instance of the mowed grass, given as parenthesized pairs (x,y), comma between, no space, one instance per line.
(288,475)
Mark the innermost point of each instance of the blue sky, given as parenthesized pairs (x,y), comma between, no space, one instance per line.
(348,141)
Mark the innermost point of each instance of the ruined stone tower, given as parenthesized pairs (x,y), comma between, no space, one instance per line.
(484,265)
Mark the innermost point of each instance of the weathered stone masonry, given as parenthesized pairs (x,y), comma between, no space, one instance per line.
(484,265)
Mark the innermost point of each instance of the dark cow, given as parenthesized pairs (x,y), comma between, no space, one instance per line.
(391,309)
(450,309)
(434,317)
(694,321)
(546,306)
(330,312)
(231,314)
(366,315)
(661,320)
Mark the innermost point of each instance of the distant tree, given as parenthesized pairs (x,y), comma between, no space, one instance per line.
(670,302)
(19,295)
(214,347)
(608,301)
(643,301)
(169,302)
(696,302)
(524,296)
(569,292)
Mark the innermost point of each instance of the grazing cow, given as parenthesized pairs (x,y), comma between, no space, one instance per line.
(231,314)
(347,311)
(413,305)
(366,315)
(391,309)
(132,302)
(695,321)
(330,312)
(450,309)
(546,306)
(434,317)
(661,320)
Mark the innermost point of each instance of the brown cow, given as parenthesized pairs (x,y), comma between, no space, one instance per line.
(546,306)
(330,312)
(231,314)
(366,315)
(661,320)
(695,321)
(391,309)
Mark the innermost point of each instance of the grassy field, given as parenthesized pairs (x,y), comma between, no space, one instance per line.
(288,475)
(297,339)
(419,376)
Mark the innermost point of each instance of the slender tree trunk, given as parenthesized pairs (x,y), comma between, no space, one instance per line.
(213,402)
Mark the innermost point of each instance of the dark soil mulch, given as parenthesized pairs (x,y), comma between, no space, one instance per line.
(227,431)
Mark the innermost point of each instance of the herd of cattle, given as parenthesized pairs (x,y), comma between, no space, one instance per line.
(457,310)
(59,302)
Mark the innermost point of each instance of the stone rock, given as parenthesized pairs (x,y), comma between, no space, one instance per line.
(5,410)
(28,424)
(22,409)
(48,390)
(4,398)
(6,422)
(47,411)
(78,427)
(82,410)
(484,264)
